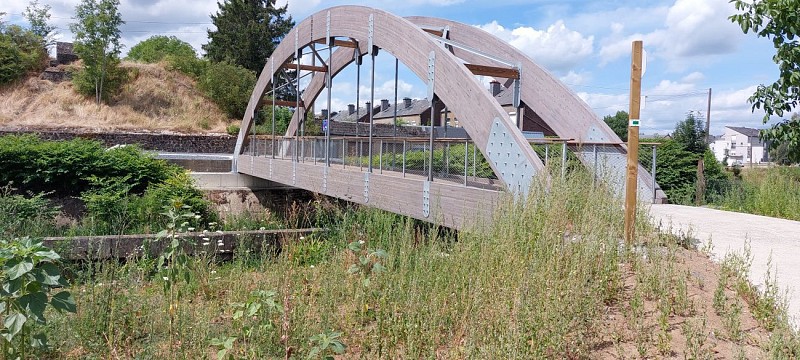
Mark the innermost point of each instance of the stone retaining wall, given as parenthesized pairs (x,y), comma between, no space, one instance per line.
(204,144)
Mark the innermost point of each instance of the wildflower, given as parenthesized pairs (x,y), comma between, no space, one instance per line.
(165,278)
(206,243)
(312,266)
(190,229)
(262,228)
(213,271)
(197,217)
(302,238)
(205,239)
(361,242)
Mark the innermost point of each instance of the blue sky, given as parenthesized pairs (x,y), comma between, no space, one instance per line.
(691,47)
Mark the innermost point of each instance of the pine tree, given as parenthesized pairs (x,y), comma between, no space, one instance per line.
(247,32)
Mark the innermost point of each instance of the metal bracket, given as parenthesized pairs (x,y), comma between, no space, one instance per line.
(431,73)
(325,180)
(270,169)
(294,173)
(426,199)
(371,31)
(366,188)
(508,159)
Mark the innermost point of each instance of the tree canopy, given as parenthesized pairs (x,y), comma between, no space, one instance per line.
(779,21)
(618,123)
(690,133)
(97,43)
(247,32)
(158,47)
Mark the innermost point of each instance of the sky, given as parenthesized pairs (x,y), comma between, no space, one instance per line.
(691,46)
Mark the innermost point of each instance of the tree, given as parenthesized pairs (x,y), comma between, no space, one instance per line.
(229,86)
(97,43)
(38,17)
(618,123)
(691,134)
(776,20)
(247,32)
(20,52)
(158,47)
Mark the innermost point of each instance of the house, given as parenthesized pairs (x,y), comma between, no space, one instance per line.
(414,112)
(739,146)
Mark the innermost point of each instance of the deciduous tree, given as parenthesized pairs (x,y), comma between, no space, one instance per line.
(618,123)
(157,47)
(97,43)
(779,21)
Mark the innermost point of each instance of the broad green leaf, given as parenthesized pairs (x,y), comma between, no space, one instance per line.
(13,323)
(16,268)
(63,301)
(46,253)
(221,354)
(353,269)
(34,304)
(39,341)
(48,274)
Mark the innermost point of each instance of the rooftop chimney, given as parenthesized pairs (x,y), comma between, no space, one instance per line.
(368,107)
(351,109)
(407,102)
(384,104)
(494,87)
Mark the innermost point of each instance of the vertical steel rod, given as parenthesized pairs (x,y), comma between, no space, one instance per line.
(380,157)
(329,77)
(272,70)
(394,120)
(430,142)
(358,91)
(546,154)
(474,159)
(653,172)
(371,102)
(344,153)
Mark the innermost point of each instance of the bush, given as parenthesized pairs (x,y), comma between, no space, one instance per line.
(21,52)
(19,213)
(192,66)
(67,166)
(158,47)
(113,81)
(229,86)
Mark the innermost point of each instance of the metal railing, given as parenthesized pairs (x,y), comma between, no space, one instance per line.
(453,160)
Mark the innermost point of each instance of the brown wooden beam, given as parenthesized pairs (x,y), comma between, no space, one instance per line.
(494,71)
(339,43)
(438,33)
(290,66)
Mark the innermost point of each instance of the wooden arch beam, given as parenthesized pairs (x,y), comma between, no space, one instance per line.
(512,159)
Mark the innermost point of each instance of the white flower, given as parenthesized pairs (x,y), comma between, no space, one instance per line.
(213,271)
(262,228)
(312,266)
(212,223)
(190,229)
(205,231)
(205,239)
(361,242)
(206,243)
(197,217)
(302,238)
(165,278)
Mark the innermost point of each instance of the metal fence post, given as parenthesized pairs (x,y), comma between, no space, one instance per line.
(404,158)
(474,159)
(546,154)
(563,160)
(466,161)
(380,157)
(653,172)
(596,165)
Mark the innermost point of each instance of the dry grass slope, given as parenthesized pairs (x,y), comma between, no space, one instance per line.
(156,99)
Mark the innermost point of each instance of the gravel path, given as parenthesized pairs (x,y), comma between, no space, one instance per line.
(728,232)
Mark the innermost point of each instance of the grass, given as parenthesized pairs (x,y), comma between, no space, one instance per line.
(156,99)
(770,192)
(549,279)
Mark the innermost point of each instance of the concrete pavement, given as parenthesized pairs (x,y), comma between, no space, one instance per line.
(728,232)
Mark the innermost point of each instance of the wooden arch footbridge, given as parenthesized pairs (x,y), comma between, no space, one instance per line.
(449,180)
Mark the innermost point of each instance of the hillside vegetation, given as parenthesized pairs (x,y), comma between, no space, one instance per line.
(155,99)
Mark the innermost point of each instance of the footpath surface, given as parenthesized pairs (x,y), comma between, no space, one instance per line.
(728,232)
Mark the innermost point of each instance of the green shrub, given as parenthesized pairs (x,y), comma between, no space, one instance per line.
(21,51)
(66,167)
(229,86)
(191,66)
(232,129)
(113,81)
(158,47)
(24,214)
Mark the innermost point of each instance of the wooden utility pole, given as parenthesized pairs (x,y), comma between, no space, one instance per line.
(631,183)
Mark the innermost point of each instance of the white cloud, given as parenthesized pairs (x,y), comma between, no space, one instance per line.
(691,29)
(693,77)
(574,78)
(557,48)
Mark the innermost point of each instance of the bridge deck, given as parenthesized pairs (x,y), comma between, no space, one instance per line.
(450,202)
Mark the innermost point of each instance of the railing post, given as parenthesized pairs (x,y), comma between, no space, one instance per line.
(474,159)
(344,154)
(380,157)
(404,158)
(360,149)
(563,160)
(546,154)
(596,165)
(466,161)
(653,172)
